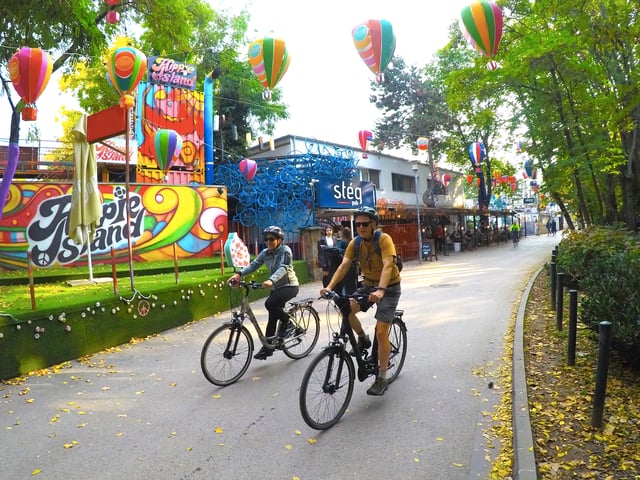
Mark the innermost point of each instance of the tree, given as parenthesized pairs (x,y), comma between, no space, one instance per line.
(188,30)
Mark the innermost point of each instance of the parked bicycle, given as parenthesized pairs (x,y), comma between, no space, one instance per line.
(228,351)
(327,385)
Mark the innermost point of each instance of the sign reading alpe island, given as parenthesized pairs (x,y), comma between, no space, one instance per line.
(166,71)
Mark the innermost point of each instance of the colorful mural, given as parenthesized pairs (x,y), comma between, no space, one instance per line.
(36,219)
(160,106)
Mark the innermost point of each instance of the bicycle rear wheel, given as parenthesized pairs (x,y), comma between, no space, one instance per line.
(226,354)
(305,336)
(327,387)
(398,340)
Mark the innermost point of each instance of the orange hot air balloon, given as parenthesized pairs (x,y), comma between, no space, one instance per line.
(269,60)
(125,69)
(30,70)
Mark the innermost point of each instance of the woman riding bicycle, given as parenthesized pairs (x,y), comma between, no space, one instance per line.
(282,281)
(381,283)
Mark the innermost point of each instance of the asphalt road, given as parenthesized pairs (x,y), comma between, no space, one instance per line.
(146,411)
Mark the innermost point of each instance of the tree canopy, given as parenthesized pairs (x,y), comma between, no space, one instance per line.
(566,84)
(78,36)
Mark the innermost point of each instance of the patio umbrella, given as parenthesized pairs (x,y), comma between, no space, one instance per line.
(86,204)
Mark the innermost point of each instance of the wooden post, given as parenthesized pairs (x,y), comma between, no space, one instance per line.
(221,258)
(114,273)
(31,288)
(175,262)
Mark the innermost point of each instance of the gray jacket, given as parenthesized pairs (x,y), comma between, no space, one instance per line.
(279,262)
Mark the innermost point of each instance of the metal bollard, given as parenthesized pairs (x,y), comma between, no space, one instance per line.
(573,327)
(553,285)
(559,300)
(601,373)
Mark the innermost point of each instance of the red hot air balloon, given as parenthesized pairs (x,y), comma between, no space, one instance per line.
(446,180)
(30,70)
(125,69)
(375,42)
(365,137)
(167,146)
(482,21)
(422,143)
(248,169)
(113,17)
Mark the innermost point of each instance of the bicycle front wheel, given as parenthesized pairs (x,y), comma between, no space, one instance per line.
(305,336)
(398,340)
(326,388)
(226,354)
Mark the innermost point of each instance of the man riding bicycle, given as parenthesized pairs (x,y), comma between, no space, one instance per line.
(381,283)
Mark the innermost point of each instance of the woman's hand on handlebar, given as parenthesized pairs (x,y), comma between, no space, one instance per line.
(324,291)
(234,280)
(267,284)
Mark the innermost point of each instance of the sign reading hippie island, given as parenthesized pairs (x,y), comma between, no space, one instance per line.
(165,71)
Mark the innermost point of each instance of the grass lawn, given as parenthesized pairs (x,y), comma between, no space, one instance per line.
(72,320)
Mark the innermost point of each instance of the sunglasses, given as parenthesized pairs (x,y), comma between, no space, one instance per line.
(270,239)
(362,224)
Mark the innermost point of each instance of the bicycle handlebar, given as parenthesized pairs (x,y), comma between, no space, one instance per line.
(246,284)
(333,295)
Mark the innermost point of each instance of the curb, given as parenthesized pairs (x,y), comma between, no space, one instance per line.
(524,463)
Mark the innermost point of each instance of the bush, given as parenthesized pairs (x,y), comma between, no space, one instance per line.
(579,249)
(605,262)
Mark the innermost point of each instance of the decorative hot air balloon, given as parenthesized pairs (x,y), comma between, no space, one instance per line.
(112,2)
(248,168)
(422,143)
(470,179)
(125,70)
(477,153)
(269,61)
(446,179)
(520,146)
(365,137)
(30,70)
(528,164)
(167,146)
(482,22)
(113,17)
(375,42)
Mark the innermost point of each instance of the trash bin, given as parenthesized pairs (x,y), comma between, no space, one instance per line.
(457,246)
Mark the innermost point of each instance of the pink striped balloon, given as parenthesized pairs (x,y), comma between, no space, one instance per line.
(30,70)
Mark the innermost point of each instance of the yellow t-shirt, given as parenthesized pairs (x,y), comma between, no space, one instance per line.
(370,261)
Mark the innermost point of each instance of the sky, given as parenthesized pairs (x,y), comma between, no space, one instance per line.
(327,86)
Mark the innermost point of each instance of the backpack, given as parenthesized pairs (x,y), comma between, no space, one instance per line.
(376,245)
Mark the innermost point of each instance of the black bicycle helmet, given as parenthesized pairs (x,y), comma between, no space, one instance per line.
(370,212)
(274,230)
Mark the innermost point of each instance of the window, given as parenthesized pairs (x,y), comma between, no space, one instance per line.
(371,175)
(403,183)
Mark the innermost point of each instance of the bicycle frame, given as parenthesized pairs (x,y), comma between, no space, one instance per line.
(368,365)
(245,311)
